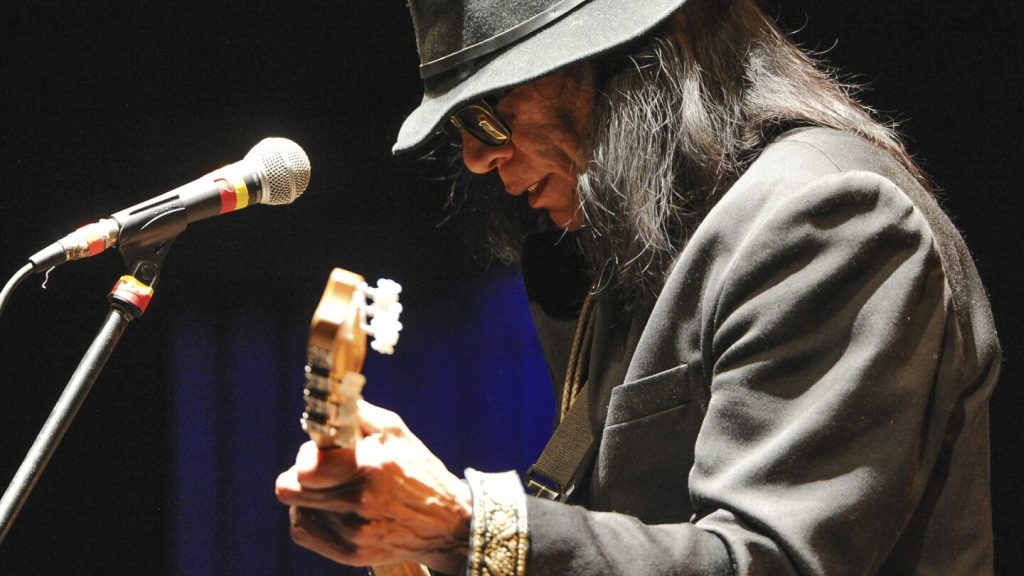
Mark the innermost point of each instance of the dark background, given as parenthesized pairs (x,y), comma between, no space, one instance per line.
(170,464)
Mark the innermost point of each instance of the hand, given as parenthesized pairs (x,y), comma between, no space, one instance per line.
(386,500)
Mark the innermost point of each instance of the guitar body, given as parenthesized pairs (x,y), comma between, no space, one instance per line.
(334,380)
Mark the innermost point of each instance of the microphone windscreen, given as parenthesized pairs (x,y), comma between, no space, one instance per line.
(284,167)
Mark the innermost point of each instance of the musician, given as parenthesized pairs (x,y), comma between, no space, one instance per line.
(782,344)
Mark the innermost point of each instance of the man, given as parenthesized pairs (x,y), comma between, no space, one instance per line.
(784,356)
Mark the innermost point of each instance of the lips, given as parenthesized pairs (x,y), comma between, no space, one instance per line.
(533,192)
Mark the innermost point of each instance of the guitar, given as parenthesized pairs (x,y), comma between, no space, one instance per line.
(334,380)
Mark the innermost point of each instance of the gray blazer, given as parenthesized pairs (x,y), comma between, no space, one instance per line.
(808,394)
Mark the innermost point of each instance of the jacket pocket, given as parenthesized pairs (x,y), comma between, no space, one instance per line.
(648,396)
(646,449)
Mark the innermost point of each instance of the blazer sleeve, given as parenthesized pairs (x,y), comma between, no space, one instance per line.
(826,334)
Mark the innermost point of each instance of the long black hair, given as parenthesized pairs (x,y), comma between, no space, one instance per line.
(676,123)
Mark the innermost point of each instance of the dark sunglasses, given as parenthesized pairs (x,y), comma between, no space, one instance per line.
(483,122)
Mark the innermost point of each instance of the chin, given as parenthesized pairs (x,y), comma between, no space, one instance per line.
(565,221)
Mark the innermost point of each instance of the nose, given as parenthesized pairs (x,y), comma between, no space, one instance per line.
(480,158)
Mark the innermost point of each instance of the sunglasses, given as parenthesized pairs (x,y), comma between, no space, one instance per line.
(482,121)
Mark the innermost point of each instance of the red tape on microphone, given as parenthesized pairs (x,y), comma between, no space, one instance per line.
(129,290)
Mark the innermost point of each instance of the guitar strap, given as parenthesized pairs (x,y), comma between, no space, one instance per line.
(562,462)
(555,473)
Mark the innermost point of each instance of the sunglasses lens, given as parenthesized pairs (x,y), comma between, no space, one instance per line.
(482,124)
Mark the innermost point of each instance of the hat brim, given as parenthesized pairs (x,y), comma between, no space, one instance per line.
(594,28)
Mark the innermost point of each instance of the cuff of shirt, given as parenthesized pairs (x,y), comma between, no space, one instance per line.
(498,529)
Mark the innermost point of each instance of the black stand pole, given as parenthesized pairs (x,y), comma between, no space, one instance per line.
(144,244)
(60,418)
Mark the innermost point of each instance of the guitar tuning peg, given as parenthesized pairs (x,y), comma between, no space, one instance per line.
(383,313)
(387,291)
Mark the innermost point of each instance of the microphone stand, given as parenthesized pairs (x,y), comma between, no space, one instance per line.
(144,245)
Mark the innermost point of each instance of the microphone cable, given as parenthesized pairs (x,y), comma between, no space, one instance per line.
(13,283)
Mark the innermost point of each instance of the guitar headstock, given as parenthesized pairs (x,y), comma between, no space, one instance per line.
(348,311)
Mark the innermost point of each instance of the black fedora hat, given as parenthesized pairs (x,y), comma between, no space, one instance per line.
(469,48)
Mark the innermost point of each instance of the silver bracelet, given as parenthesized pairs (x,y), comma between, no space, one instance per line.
(498,530)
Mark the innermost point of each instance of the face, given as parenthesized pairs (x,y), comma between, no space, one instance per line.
(548,119)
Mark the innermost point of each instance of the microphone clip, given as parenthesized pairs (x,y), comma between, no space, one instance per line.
(145,239)
(147,232)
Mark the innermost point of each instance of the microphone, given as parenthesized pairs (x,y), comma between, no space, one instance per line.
(275,171)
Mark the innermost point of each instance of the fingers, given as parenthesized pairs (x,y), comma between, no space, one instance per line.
(318,469)
(345,538)
(344,498)
(386,499)
(311,529)
(323,479)
(377,420)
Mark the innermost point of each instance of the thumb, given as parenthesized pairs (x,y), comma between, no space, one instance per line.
(377,420)
(318,468)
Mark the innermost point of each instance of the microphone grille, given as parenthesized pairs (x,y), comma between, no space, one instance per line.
(285,167)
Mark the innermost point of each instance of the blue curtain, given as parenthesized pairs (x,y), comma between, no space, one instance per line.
(468,377)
